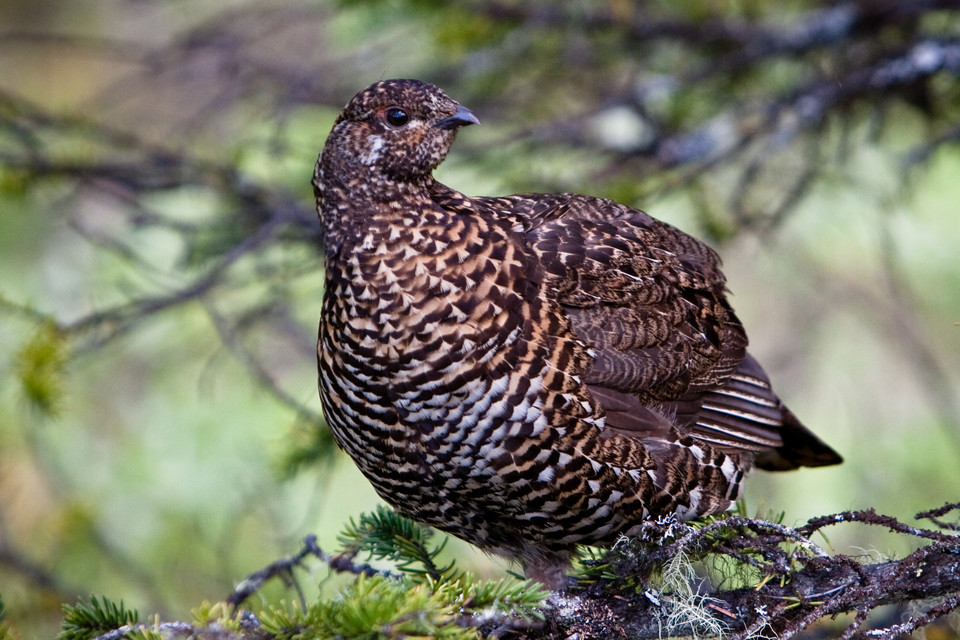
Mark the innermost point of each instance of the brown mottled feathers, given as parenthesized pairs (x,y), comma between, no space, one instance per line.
(529,372)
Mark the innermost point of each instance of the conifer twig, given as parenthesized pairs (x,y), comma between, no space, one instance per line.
(283,569)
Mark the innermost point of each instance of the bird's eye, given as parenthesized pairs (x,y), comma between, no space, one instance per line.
(397,116)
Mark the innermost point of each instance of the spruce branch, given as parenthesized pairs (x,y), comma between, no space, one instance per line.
(385,535)
(94,618)
(448,603)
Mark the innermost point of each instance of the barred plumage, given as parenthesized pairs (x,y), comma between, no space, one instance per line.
(530,372)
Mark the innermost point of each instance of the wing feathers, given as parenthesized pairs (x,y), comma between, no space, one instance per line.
(669,354)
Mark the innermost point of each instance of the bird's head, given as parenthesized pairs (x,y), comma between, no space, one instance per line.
(393,131)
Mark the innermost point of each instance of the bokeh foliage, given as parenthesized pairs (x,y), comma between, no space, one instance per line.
(162,276)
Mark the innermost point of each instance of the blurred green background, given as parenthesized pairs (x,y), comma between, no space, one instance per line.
(160,435)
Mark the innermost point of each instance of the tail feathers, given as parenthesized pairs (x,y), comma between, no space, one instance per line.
(743,416)
(746,414)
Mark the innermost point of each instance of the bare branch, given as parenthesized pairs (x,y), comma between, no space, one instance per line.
(284,567)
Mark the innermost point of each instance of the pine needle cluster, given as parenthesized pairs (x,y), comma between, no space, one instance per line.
(39,367)
(87,620)
(371,608)
(385,535)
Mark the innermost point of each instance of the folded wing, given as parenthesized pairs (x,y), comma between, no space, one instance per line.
(669,352)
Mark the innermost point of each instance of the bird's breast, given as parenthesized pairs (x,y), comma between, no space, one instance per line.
(421,336)
(406,292)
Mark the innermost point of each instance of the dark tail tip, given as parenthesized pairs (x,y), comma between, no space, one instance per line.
(801,448)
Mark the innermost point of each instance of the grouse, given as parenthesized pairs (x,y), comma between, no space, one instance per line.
(531,372)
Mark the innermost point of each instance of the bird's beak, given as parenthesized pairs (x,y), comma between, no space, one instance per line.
(462,117)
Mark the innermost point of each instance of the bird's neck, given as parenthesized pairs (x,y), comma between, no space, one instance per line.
(394,246)
(351,209)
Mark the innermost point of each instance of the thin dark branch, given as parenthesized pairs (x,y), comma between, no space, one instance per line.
(33,572)
(934,515)
(230,338)
(899,630)
(284,567)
